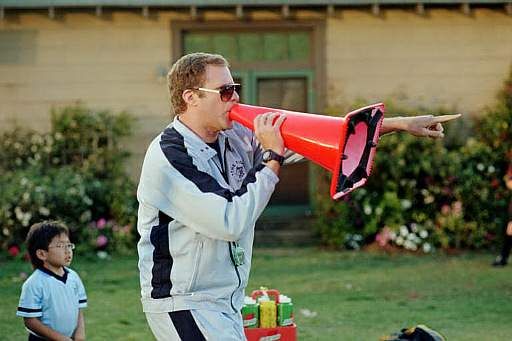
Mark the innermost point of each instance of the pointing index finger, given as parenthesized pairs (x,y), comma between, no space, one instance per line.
(445,118)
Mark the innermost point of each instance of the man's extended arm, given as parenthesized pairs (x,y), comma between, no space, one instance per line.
(422,126)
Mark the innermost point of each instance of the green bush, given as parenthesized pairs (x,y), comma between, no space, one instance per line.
(30,195)
(107,236)
(452,189)
(74,173)
(411,179)
(90,140)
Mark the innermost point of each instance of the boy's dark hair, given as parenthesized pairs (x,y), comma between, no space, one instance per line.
(40,236)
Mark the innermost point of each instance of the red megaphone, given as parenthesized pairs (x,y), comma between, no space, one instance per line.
(343,145)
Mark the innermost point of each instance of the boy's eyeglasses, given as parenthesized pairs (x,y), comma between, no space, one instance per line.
(226,91)
(69,246)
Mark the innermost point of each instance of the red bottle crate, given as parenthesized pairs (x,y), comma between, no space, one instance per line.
(288,333)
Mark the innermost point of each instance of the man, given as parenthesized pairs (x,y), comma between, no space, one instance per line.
(204,183)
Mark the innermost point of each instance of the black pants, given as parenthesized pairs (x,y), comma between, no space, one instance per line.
(507,246)
(32,337)
(507,239)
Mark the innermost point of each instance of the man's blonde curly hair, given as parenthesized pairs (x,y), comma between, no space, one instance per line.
(187,73)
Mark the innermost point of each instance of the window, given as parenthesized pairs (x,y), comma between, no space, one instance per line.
(247,47)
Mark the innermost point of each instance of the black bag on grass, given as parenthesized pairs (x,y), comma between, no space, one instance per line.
(418,333)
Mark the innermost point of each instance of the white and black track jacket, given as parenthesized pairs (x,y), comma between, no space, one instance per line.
(192,204)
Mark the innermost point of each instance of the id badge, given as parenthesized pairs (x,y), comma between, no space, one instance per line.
(238,254)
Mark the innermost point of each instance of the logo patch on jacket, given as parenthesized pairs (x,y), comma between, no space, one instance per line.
(237,170)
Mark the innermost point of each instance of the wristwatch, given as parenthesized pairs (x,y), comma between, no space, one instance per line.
(269,155)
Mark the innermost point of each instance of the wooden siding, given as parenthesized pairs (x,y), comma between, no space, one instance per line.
(225,3)
(446,59)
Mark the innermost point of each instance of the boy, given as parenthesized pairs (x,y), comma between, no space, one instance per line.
(52,297)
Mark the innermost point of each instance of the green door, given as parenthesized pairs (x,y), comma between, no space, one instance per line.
(274,70)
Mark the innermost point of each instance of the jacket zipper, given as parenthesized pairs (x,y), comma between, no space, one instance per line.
(224,167)
(224,164)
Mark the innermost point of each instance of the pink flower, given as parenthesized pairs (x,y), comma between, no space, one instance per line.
(457,208)
(13,250)
(101,241)
(383,237)
(100,224)
(445,210)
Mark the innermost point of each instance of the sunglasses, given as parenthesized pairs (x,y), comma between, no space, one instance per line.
(226,91)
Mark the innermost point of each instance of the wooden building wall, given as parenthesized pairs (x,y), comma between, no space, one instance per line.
(444,59)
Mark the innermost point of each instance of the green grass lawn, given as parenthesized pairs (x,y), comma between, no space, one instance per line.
(356,296)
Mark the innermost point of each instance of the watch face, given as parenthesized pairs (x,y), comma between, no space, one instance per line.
(266,156)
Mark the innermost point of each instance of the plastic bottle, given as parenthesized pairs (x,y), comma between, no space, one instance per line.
(285,311)
(250,312)
(268,312)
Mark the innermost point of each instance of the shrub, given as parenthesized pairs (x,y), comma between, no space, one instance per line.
(107,236)
(74,173)
(451,189)
(30,195)
(411,179)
